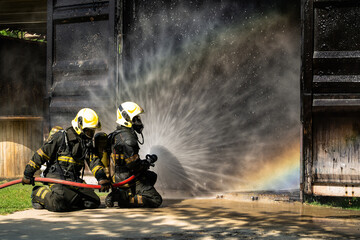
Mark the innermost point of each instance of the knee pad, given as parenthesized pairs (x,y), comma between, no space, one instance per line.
(38,194)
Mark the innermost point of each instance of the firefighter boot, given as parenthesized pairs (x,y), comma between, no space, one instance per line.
(109,202)
(122,197)
(119,195)
(37,197)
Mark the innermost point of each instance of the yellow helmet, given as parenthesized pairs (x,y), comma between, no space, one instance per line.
(86,121)
(126,113)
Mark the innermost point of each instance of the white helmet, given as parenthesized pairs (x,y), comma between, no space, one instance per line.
(126,113)
(86,121)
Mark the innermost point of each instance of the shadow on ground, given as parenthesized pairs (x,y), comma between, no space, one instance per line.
(187,219)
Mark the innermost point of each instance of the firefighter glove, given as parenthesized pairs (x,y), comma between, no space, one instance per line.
(105,185)
(28,180)
(144,165)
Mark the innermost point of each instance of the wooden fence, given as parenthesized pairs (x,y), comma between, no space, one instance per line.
(20,137)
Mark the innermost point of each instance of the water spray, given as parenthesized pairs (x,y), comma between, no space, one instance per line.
(220,95)
(219,85)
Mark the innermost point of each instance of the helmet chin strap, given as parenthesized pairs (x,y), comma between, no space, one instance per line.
(142,136)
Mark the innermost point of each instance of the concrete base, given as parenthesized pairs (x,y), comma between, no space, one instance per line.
(187,219)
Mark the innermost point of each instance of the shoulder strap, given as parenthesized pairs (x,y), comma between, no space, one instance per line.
(65,142)
(112,135)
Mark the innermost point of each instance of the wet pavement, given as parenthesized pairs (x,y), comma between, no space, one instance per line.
(188,219)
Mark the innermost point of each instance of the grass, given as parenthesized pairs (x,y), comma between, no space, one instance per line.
(351,203)
(17,198)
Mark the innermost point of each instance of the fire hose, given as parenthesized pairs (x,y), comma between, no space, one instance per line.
(151,159)
(64,182)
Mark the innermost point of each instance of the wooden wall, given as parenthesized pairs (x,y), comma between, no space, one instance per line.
(336,149)
(22,102)
(330,98)
(20,137)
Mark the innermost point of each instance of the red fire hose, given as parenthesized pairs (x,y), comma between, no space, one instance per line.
(76,184)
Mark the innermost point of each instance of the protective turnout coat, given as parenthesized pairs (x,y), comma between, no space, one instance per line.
(125,153)
(65,154)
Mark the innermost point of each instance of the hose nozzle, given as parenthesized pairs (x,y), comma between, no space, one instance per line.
(151,158)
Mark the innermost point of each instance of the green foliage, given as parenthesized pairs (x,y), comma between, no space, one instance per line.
(7,33)
(341,202)
(20,35)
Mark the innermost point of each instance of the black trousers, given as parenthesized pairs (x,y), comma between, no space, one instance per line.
(142,193)
(63,198)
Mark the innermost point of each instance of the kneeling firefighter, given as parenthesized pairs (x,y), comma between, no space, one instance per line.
(65,153)
(125,154)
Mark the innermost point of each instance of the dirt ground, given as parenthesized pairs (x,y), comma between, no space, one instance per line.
(187,219)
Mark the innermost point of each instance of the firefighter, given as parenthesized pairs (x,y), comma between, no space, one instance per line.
(65,153)
(125,154)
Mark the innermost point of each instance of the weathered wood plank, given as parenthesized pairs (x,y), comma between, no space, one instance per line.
(2,146)
(19,138)
(21,148)
(336,149)
(15,159)
(338,191)
(7,150)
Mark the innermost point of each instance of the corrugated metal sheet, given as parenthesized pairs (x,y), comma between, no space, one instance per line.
(330,92)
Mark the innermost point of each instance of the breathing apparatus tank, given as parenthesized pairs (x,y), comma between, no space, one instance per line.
(102,149)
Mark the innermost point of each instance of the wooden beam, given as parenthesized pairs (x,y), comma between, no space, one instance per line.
(27,118)
(336,191)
